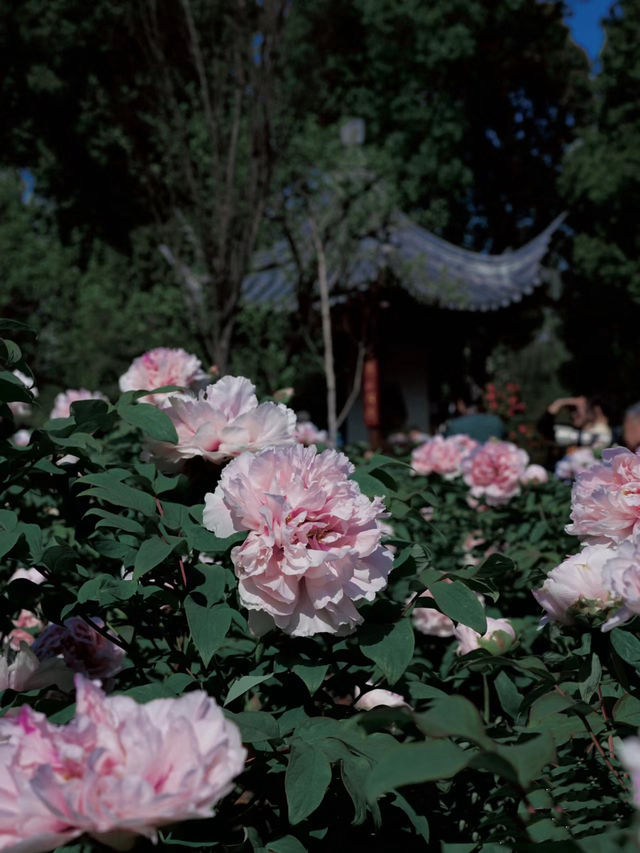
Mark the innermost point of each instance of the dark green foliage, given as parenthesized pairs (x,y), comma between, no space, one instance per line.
(508,749)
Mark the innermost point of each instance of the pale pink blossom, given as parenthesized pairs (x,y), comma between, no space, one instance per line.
(629,753)
(621,576)
(499,637)
(378,698)
(493,470)
(534,475)
(308,433)
(25,622)
(472,541)
(417,436)
(429,621)
(31,574)
(605,500)
(223,421)
(19,409)
(313,547)
(442,455)
(577,586)
(118,770)
(63,401)
(83,649)
(24,671)
(574,462)
(159,367)
(22,437)
(27,825)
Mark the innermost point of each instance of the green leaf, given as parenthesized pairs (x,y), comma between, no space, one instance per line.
(151,553)
(508,694)
(390,647)
(313,676)
(457,602)
(208,627)
(627,710)
(627,646)
(413,763)
(453,716)
(589,685)
(369,485)
(119,494)
(255,726)
(306,780)
(241,685)
(419,822)
(529,758)
(150,419)
(287,844)
(117,522)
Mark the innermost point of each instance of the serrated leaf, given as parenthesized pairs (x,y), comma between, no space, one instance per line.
(307,778)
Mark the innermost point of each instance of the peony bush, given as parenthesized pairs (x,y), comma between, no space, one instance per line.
(217,634)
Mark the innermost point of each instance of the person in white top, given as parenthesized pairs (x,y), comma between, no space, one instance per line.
(589,425)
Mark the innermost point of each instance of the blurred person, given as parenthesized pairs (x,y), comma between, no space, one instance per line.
(631,427)
(471,419)
(589,425)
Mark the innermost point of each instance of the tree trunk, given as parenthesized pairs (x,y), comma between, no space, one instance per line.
(327,336)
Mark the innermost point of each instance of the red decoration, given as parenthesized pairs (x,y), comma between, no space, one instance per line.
(371,393)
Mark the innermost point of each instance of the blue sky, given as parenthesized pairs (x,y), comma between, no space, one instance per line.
(584,22)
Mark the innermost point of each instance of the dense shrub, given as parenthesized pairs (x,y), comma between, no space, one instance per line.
(504,747)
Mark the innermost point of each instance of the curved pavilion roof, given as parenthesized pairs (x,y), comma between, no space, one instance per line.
(430,268)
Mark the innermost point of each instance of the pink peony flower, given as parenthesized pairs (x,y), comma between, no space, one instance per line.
(19,409)
(442,455)
(308,433)
(429,621)
(498,638)
(621,576)
(578,460)
(159,367)
(119,769)
(378,698)
(576,586)
(63,401)
(83,649)
(629,752)
(314,543)
(605,500)
(494,470)
(225,420)
(534,475)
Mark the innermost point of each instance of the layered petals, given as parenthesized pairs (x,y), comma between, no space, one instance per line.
(314,544)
